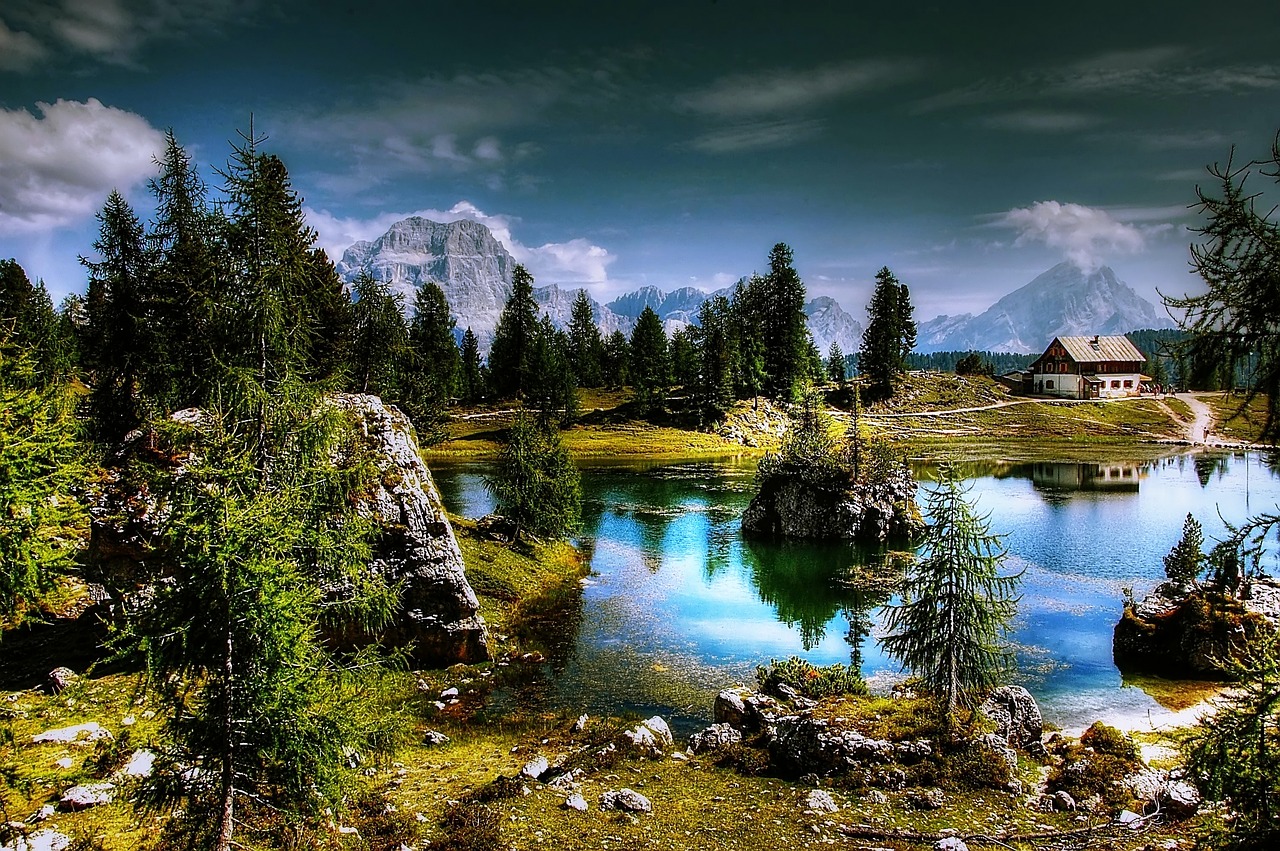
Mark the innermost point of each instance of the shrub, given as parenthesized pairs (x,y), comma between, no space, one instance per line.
(810,680)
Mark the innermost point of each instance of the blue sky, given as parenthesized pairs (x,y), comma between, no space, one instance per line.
(613,145)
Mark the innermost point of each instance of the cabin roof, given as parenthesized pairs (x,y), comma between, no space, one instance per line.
(1101,349)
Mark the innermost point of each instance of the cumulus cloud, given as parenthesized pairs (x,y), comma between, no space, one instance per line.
(1084,235)
(58,166)
(575,263)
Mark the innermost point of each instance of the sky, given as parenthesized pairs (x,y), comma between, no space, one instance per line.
(614,145)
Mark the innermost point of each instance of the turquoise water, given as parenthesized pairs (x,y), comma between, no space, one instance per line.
(679,605)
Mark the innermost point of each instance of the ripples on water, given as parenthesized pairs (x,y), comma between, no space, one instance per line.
(681,606)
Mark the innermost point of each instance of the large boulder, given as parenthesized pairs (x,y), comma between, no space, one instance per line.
(414,548)
(793,507)
(1017,717)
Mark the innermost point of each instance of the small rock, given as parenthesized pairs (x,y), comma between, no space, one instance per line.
(535,768)
(1063,802)
(950,843)
(140,764)
(714,738)
(926,799)
(821,802)
(45,813)
(580,724)
(128,721)
(1180,799)
(1130,819)
(875,796)
(91,731)
(679,756)
(61,678)
(434,738)
(626,800)
(652,736)
(41,840)
(88,795)
(576,802)
(562,783)
(448,694)
(64,763)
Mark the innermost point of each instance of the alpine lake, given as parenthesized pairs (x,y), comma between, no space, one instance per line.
(678,605)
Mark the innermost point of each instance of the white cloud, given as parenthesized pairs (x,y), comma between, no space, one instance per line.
(756,135)
(19,51)
(60,166)
(772,92)
(1041,121)
(575,263)
(1084,234)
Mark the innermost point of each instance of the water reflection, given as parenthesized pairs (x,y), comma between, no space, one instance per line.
(680,605)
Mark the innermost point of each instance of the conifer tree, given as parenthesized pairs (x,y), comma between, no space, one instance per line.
(380,353)
(786,338)
(956,607)
(616,361)
(552,390)
(471,378)
(513,339)
(1184,563)
(718,356)
(535,484)
(586,348)
(889,336)
(118,344)
(39,472)
(649,368)
(748,309)
(835,364)
(434,371)
(684,359)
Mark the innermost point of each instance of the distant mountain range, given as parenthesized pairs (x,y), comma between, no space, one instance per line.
(474,270)
(1063,301)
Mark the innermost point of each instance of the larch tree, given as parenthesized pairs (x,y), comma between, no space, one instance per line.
(1232,324)
(956,606)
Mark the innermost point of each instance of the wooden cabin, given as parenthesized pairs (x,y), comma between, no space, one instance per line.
(1088,368)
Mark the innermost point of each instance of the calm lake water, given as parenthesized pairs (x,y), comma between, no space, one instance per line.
(679,606)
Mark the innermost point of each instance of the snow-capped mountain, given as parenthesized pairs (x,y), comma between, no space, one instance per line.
(1064,301)
(829,323)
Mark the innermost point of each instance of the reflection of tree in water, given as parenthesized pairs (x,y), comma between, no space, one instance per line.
(808,583)
(1209,466)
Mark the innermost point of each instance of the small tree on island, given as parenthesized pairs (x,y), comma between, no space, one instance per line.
(956,607)
(536,485)
(1186,560)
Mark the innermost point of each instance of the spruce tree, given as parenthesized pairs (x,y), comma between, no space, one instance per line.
(785,332)
(748,329)
(513,339)
(471,378)
(956,607)
(835,364)
(435,366)
(882,357)
(684,359)
(906,325)
(649,368)
(717,354)
(616,361)
(586,348)
(535,484)
(119,343)
(1185,562)
(552,390)
(380,352)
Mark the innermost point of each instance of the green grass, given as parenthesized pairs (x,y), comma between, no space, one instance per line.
(1235,420)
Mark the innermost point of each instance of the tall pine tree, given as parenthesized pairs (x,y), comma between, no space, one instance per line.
(433,377)
(786,338)
(889,337)
(649,368)
(586,348)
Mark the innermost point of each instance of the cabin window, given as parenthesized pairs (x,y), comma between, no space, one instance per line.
(1048,385)
(1062,367)
(1115,385)
(1128,383)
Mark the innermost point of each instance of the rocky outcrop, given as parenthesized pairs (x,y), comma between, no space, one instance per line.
(872,512)
(414,548)
(1017,718)
(1186,636)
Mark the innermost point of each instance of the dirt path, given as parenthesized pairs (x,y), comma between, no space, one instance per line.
(1008,404)
(1199,430)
